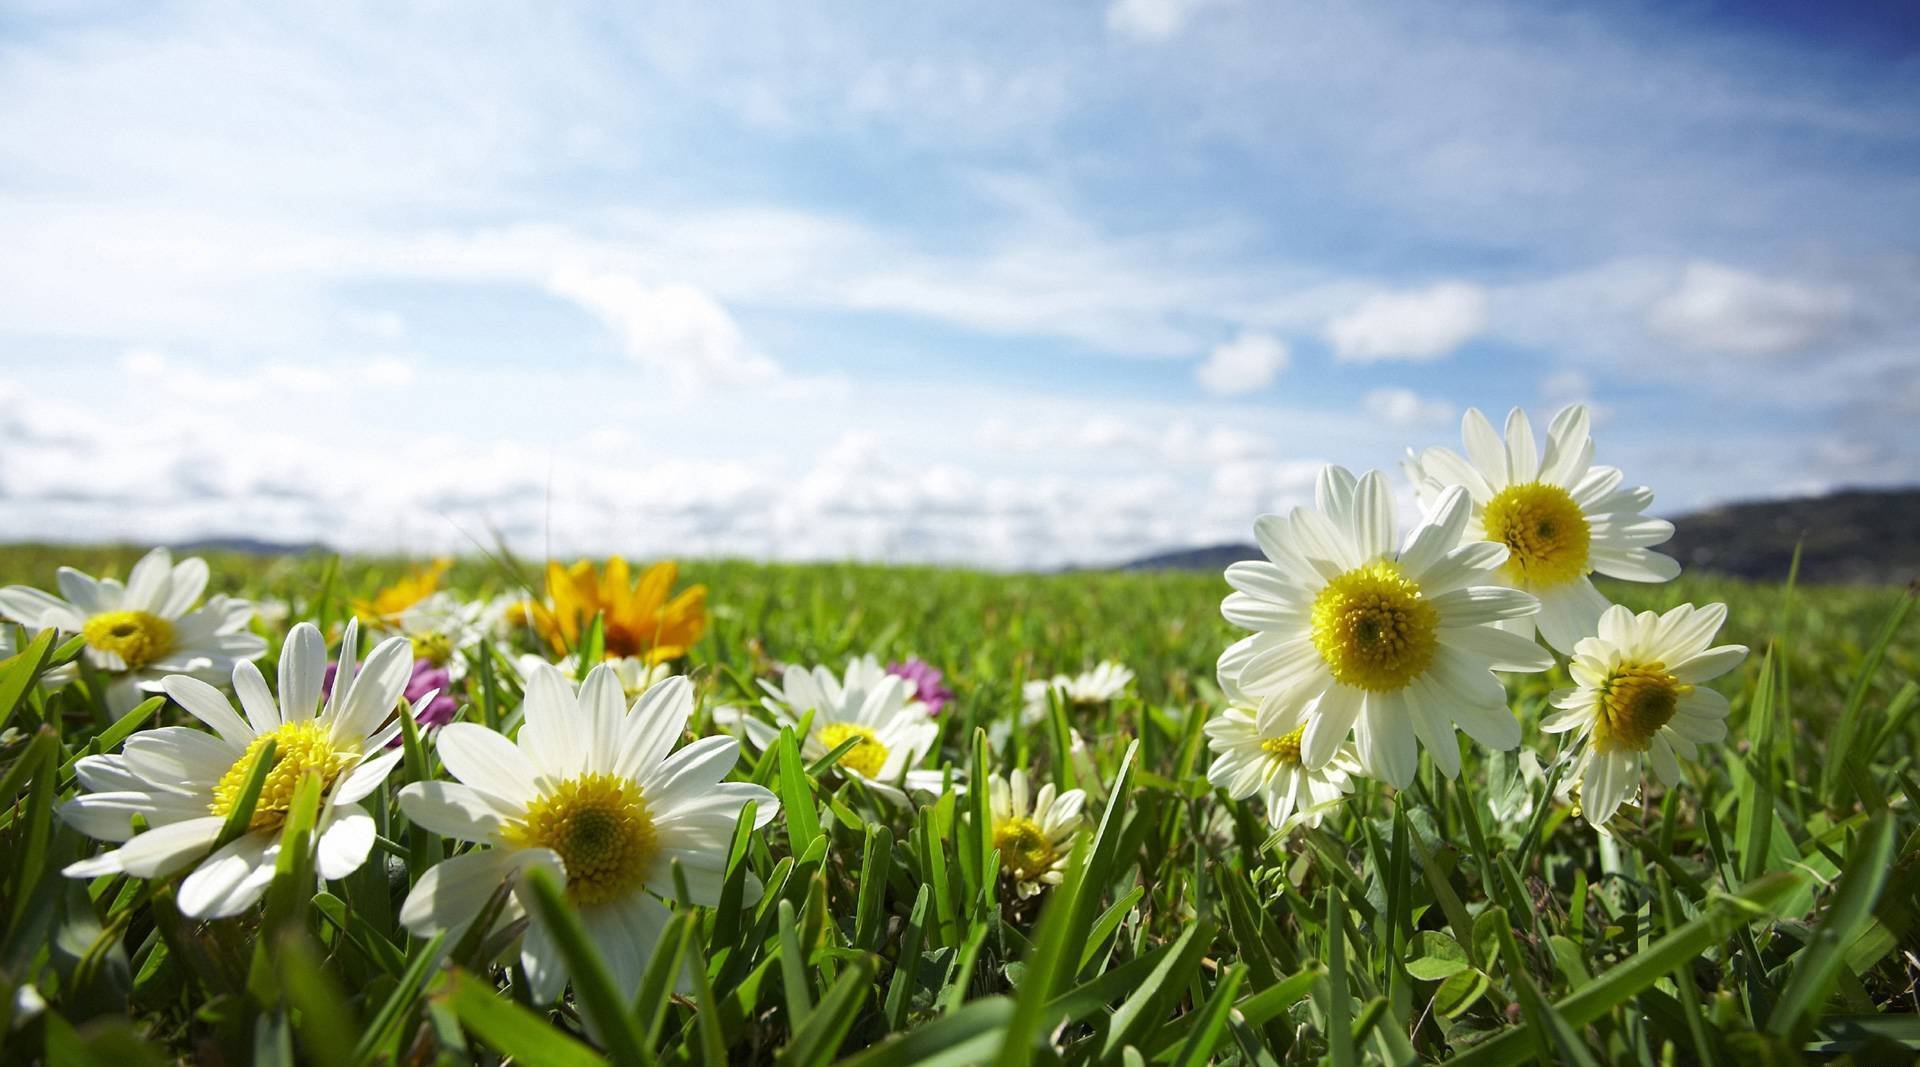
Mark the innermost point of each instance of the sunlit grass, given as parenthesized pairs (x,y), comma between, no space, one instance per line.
(1766,908)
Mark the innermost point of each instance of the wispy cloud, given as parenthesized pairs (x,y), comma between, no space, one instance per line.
(819,281)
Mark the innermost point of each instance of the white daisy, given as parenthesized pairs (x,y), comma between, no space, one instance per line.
(142,631)
(1256,747)
(1088,689)
(185,781)
(1638,693)
(1035,839)
(589,791)
(1560,518)
(1396,645)
(441,628)
(894,731)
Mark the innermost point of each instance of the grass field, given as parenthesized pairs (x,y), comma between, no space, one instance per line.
(1765,911)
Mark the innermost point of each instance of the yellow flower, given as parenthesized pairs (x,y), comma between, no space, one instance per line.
(640,619)
(389,602)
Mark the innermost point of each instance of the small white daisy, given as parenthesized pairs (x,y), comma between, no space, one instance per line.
(146,629)
(441,628)
(1638,694)
(893,731)
(1560,517)
(1396,645)
(1035,838)
(1256,747)
(590,791)
(185,781)
(1088,689)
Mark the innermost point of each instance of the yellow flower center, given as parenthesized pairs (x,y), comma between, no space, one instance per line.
(1373,629)
(1024,848)
(866,757)
(435,648)
(298,747)
(137,637)
(1286,747)
(1546,534)
(1636,700)
(601,829)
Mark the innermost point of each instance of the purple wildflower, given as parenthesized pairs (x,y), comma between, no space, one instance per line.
(425,679)
(925,678)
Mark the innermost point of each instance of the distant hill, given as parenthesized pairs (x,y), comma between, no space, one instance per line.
(1851,537)
(252,546)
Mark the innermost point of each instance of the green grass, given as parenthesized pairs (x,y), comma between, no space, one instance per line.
(1764,911)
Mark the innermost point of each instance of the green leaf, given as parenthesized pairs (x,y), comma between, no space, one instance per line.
(513,1030)
(1614,988)
(1818,966)
(602,1001)
(819,1039)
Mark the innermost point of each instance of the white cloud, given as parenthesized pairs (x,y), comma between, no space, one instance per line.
(1420,325)
(1151,20)
(1406,408)
(1247,363)
(677,330)
(1732,312)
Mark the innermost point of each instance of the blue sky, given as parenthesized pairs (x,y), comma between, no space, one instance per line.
(1014,284)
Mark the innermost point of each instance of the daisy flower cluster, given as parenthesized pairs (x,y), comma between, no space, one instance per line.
(1374,638)
(594,777)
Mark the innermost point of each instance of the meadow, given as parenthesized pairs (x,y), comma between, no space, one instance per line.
(1763,911)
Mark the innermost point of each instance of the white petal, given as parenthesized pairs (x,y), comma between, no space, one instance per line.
(1256,613)
(1494,727)
(456,810)
(626,931)
(376,691)
(1281,666)
(1665,767)
(88,596)
(451,893)
(1333,493)
(189,581)
(691,771)
(230,880)
(173,756)
(1448,468)
(1712,663)
(366,777)
(1433,728)
(149,582)
(1485,448)
(1569,613)
(1523,455)
(1483,604)
(344,844)
(540,958)
(205,703)
(1473,563)
(37,610)
(486,761)
(1387,745)
(1439,533)
(1331,719)
(1373,522)
(263,714)
(553,730)
(1569,448)
(303,671)
(602,709)
(1498,649)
